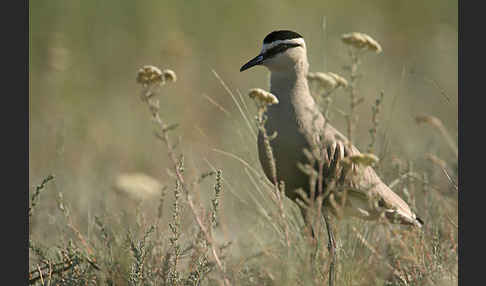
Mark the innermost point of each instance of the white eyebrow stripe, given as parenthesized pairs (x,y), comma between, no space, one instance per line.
(268,46)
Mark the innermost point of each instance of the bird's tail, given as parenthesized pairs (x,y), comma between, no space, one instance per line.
(407,218)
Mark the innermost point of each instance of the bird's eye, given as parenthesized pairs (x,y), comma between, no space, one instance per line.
(292,45)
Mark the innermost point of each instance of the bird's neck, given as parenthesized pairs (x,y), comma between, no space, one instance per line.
(291,87)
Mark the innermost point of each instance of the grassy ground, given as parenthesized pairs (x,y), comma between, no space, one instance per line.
(119,211)
(196,245)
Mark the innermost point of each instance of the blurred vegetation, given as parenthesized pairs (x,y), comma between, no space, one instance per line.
(87,124)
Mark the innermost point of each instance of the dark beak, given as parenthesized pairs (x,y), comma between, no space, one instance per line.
(258,60)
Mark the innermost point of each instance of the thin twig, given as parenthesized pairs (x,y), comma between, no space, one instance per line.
(453,183)
(236,102)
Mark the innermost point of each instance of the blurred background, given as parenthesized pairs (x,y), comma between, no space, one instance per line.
(87,124)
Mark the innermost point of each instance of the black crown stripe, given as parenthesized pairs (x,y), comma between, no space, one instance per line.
(280,35)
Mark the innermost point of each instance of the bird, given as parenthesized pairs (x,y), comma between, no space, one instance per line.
(299,125)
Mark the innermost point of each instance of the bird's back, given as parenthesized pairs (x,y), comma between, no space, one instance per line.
(300,125)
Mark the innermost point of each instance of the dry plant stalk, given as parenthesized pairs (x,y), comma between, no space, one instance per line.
(375,111)
(49,270)
(218,188)
(37,192)
(437,124)
(263,99)
(374,251)
(151,79)
(69,222)
(443,166)
(359,43)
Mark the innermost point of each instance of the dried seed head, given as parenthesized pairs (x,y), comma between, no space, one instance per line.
(373,44)
(149,75)
(137,186)
(366,159)
(169,75)
(341,81)
(153,76)
(262,96)
(327,81)
(361,41)
(324,80)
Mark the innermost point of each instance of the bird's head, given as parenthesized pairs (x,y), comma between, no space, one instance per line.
(282,50)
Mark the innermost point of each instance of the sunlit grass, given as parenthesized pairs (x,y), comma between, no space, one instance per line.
(227,225)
